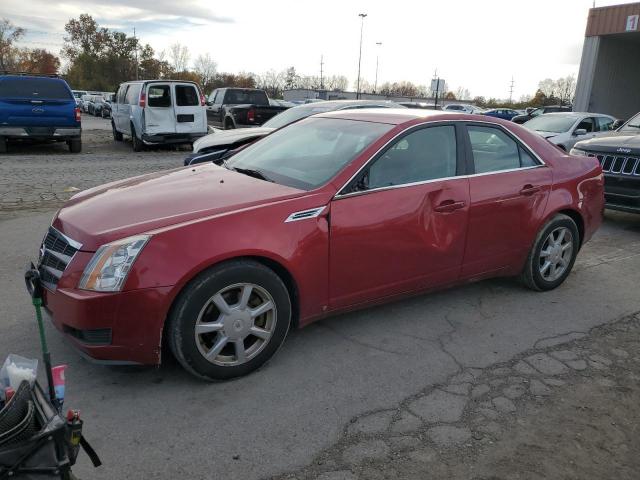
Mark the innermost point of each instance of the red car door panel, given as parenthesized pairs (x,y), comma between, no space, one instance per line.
(393,241)
(507,206)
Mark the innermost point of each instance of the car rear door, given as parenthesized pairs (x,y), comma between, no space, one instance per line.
(400,224)
(159,112)
(190,114)
(36,103)
(214,117)
(508,190)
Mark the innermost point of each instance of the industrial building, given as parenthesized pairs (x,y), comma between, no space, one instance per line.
(609,78)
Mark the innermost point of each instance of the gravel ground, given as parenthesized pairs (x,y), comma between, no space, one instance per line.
(485,381)
(41,177)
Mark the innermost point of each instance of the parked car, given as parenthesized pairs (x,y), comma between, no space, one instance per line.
(619,154)
(422,105)
(95,105)
(158,112)
(84,103)
(239,107)
(334,212)
(460,108)
(281,103)
(221,144)
(38,108)
(503,113)
(77,94)
(565,129)
(539,111)
(109,98)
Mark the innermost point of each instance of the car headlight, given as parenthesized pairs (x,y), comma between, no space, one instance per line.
(577,152)
(108,269)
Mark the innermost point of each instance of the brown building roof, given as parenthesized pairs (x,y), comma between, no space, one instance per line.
(611,20)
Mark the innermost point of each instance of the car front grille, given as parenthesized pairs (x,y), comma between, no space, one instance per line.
(56,252)
(618,164)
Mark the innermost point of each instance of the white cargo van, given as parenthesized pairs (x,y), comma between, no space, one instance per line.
(155,112)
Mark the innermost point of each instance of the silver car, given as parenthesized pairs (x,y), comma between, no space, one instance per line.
(564,129)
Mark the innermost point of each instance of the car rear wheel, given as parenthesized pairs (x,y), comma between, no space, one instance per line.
(3,145)
(75,145)
(229,320)
(117,136)
(136,143)
(552,255)
(228,124)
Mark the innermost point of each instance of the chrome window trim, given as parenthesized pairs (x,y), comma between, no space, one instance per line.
(305,214)
(338,196)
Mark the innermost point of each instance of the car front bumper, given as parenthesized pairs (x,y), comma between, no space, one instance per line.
(112,328)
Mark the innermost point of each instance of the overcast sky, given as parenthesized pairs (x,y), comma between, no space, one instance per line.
(475,44)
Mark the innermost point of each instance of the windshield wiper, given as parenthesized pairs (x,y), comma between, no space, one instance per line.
(252,173)
(633,126)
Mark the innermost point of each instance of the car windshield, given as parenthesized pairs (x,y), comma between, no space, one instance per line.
(536,112)
(632,125)
(551,123)
(307,154)
(293,114)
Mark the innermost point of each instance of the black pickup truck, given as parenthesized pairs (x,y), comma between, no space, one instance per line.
(619,155)
(239,107)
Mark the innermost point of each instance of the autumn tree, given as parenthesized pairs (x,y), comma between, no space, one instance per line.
(38,61)
(179,57)
(9,34)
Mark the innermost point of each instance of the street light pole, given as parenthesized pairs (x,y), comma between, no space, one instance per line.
(362,16)
(375,86)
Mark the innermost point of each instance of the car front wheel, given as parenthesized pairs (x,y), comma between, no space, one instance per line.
(229,320)
(552,255)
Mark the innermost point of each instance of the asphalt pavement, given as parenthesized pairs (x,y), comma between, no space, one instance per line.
(162,423)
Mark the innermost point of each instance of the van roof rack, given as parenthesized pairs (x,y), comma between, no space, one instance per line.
(29,74)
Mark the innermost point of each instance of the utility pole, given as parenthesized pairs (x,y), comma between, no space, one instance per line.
(321,78)
(362,17)
(511,91)
(375,86)
(136,39)
(437,79)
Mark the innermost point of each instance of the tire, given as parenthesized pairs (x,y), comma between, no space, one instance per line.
(75,145)
(136,143)
(539,276)
(229,125)
(117,136)
(195,303)
(3,145)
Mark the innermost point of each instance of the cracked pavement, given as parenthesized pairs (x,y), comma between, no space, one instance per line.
(298,410)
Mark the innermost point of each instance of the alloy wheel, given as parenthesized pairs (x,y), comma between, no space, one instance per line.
(556,253)
(235,324)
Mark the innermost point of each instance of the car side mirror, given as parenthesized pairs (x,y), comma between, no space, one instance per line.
(580,131)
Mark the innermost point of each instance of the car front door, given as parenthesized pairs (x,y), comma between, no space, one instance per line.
(213,111)
(400,224)
(508,192)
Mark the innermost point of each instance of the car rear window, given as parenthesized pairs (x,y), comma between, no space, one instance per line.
(24,87)
(238,97)
(159,96)
(186,96)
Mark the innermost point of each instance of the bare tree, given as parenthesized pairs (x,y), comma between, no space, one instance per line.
(566,88)
(9,33)
(337,83)
(179,57)
(272,82)
(206,68)
(462,94)
(548,87)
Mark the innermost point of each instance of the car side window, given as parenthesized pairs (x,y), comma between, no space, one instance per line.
(605,124)
(212,96)
(425,154)
(493,150)
(586,124)
(133,93)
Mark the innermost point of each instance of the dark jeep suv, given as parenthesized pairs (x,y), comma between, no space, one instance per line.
(619,155)
(38,108)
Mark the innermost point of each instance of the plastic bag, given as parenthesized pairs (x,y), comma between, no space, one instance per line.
(16,369)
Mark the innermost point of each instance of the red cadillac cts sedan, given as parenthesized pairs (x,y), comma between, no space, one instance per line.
(338,211)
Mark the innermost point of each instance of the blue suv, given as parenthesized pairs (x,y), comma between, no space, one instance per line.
(38,108)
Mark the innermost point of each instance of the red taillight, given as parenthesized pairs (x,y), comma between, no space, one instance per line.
(143,99)
(251,115)
(78,117)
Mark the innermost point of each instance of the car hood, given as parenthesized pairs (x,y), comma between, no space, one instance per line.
(613,142)
(141,204)
(222,138)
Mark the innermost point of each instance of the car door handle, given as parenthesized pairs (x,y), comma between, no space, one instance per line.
(529,190)
(449,206)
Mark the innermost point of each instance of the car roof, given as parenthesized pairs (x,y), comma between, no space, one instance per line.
(392,116)
(577,114)
(337,104)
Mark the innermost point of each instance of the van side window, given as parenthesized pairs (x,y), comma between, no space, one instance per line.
(186,96)
(159,96)
(132,95)
(121,92)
